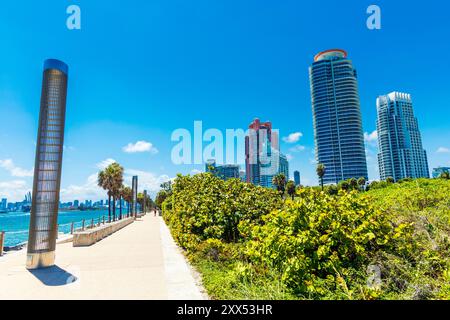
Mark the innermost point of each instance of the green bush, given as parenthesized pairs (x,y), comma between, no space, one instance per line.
(250,244)
(320,243)
(206,207)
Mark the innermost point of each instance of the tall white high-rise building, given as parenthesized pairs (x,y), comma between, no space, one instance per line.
(401,154)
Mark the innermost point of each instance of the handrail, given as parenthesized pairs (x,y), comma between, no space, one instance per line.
(2,240)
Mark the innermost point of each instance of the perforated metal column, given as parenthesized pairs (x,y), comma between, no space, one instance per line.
(47,170)
(144,205)
(134,190)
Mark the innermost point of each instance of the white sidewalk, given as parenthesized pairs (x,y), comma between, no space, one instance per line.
(139,262)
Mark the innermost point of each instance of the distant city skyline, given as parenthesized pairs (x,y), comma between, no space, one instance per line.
(225,67)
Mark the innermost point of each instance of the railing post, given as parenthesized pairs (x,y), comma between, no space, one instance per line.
(71,228)
(103,219)
(92,223)
(2,241)
(82,226)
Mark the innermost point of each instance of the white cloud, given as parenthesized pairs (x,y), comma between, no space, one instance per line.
(87,191)
(371,137)
(91,191)
(443,150)
(195,171)
(15,171)
(105,163)
(293,137)
(289,157)
(297,148)
(146,180)
(140,146)
(14,190)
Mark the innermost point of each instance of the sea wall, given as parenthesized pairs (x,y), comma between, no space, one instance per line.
(92,236)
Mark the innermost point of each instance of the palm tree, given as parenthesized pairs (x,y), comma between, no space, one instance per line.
(280,182)
(353,183)
(111,179)
(116,170)
(344,185)
(321,169)
(445,175)
(127,195)
(362,182)
(121,193)
(390,180)
(140,199)
(290,187)
(104,181)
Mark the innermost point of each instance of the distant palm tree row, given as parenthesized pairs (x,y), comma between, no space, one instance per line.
(111,180)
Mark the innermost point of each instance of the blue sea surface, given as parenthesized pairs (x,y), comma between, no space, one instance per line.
(16,224)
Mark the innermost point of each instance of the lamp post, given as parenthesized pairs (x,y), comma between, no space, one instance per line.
(144,205)
(134,193)
(47,169)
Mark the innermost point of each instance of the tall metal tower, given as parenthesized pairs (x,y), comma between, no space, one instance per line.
(47,169)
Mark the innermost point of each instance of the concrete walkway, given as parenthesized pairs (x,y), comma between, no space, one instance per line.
(139,262)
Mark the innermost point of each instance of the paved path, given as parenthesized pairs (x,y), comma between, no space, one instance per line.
(140,261)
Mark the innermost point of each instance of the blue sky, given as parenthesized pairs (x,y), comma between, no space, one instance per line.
(141,69)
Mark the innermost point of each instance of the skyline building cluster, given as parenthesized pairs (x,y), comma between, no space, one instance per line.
(338,135)
(24,205)
(338,132)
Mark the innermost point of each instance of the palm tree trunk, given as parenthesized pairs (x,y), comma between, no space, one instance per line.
(120,208)
(109,207)
(321,183)
(114,208)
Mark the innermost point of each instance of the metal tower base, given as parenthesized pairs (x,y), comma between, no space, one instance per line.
(40,260)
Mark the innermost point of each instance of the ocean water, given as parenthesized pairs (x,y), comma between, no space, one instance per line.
(16,224)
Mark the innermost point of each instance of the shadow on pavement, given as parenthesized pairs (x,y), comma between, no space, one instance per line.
(54,276)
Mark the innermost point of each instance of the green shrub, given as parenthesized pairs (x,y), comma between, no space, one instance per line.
(206,207)
(320,242)
(250,244)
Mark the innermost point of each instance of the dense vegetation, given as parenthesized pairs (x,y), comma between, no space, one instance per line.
(391,242)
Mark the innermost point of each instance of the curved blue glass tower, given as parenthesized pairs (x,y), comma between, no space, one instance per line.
(338,133)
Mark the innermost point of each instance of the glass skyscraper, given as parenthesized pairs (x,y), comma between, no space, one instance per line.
(47,169)
(401,154)
(338,132)
(297,178)
(263,159)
